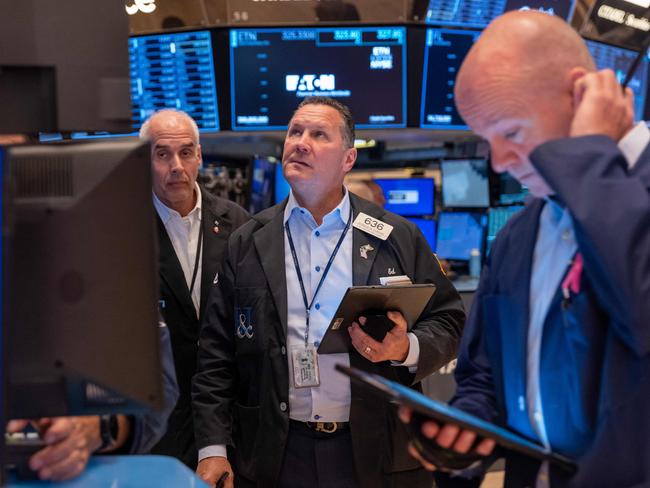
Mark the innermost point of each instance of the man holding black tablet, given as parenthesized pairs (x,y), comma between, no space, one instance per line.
(557,344)
(261,386)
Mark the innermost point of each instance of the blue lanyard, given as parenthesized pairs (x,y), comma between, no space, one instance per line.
(296,264)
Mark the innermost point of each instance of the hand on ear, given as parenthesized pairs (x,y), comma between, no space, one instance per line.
(600,105)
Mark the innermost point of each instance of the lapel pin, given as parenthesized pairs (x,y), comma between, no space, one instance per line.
(365,249)
(215,229)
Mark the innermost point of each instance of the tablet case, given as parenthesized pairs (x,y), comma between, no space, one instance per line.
(441,412)
(373,301)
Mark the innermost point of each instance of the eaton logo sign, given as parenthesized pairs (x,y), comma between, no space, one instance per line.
(310,83)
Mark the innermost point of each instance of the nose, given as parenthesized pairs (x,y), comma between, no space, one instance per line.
(502,158)
(302,144)
(176,165)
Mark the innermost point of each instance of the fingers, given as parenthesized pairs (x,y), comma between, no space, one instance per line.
(464,441)
(405,414)
(486,447)
(430,429)
(394,347)
(58,430)
(447,435)
(212,468)
(426,464)
(399,320)
(16,425)
(601,106)
(364,344)
(67,452)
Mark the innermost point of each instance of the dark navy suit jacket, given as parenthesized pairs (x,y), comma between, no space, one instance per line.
(595,366)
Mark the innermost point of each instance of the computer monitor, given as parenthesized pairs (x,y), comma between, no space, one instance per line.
(262,176)
(174,70)
(428,228)
(465,183)
(282,187)
(479,13)
(273,69)
(445,50)
(510,190)
(80,288)
(497,218)
(459,233)
(408,196)
(619,60)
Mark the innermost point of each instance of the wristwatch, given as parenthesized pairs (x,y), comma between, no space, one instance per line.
(108,428)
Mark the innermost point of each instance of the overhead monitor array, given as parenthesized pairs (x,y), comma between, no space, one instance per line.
(174,71)
(273,70)
(479,13)
(389,76)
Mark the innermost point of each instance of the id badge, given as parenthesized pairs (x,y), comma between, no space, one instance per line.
(305,366)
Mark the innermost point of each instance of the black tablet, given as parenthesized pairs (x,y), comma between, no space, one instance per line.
(444,413)
(373,302)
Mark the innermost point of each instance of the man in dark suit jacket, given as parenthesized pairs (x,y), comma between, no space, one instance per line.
(245,393)
(557,345)
(193,228)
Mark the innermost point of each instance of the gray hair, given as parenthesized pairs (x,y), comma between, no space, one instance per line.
(145,130)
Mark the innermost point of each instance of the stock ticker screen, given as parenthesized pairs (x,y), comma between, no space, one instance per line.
(479,13)
(619,60)
(174,71)
(444,53)
(272,70)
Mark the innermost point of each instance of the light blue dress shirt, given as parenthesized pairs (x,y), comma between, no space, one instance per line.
(314,244)
(554,249)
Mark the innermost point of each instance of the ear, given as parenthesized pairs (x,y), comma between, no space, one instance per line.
(350,159)
(574,82)
(199,154)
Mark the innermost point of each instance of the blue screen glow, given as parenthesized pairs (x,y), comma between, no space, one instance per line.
(408,196)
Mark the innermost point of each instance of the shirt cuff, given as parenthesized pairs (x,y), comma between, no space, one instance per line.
(413,356)
(212,451)
(634,143)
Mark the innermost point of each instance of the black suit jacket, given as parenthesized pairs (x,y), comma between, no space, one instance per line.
(240,393)
(178,311)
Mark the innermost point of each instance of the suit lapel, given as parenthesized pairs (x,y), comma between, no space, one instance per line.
(212,247)
(171,272)
(516,284)
(269,243)
(363,244)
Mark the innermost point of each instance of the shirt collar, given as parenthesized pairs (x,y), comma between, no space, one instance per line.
(165,213)
(553,211)
(341,212)
(634,142)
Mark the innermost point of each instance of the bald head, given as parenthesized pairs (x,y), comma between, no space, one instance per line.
(524,53)
(169,118)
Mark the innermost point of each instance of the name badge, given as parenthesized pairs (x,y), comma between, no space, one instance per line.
(305,366)
(372,226)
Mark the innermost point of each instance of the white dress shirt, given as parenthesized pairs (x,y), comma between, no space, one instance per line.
(184,234)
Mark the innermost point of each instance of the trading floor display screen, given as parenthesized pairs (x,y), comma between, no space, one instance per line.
(272,70)
(428,228)
(465,183)
(408,196)
(174,71)
(497,218)
(619,60)
(459,233)
(479,13)
(444,53)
